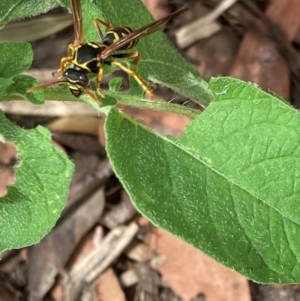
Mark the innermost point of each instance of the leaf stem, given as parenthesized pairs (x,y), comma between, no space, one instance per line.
(134,101)
(121,99)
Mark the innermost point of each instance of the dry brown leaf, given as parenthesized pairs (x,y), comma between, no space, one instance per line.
(163,122)
(212,56)
(52,253)
(286,13)
(128,278)
(50,107)
(189,272)
(76,124)
(139,252)
(101,134)
(84,273)
(89,244)
(108,287)
(83,165)
(119,214)
(6,293)
(8,159)
(258,61)
(215,55)
(90,173)
(85,144)
(158,8)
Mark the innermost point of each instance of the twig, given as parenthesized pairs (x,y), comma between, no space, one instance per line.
(90,267)
(202,27)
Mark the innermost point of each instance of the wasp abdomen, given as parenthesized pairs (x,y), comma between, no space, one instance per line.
(113,35)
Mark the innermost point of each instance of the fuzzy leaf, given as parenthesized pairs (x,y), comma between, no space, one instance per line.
(228,186)
(34,203)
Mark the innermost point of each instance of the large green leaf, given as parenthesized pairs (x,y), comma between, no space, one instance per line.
(34,203)
(228,186)
(11,10)
(16,57)
(21,83)
(4,84)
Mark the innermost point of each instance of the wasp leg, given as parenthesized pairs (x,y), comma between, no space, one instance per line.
(98,81)
(144,84)
(136,56)
(96,22)
(65,60)
(92,95)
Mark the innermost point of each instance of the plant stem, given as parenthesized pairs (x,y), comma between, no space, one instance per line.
(133,101)
(121,99)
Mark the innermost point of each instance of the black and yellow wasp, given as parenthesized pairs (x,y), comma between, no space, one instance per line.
(89,57)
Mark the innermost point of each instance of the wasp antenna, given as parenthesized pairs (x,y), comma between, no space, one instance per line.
(91,94)
(40,87)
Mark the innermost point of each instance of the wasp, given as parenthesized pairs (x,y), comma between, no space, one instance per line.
(84,58)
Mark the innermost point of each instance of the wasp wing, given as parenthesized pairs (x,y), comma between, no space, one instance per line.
(144,31)
(77,21)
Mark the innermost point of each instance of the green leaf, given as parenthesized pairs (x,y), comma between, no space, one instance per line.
(160,62)
(20,86)
(16,57)
(4,84)
(115,84)
(34,203)
(228,186)
(16,9)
